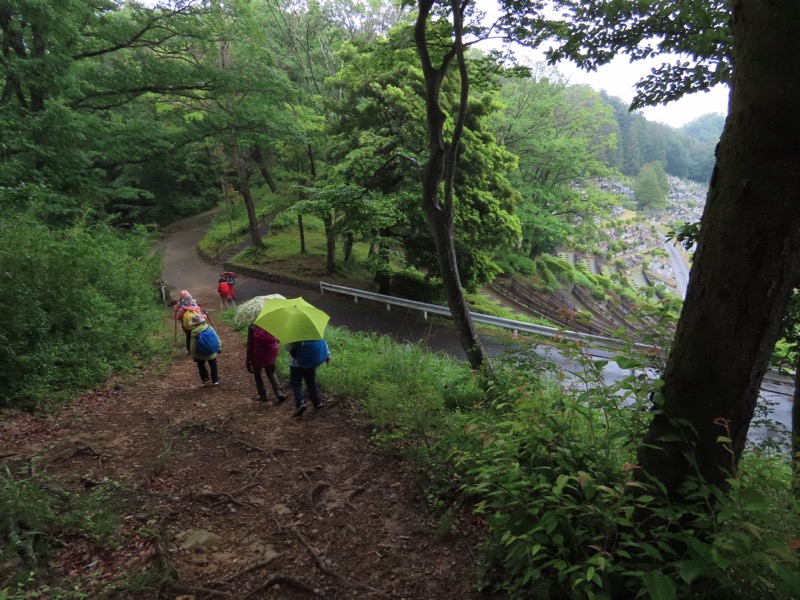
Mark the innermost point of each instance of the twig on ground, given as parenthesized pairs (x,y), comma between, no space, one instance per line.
(353,494)
(327,570)
(270,453)
(189,589)
(254,567)
(221,498)
(278,578)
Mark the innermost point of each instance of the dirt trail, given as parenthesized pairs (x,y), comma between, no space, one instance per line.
(301,507)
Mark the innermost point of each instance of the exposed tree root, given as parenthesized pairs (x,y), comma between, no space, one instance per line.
(321,486)
(271,453)
(254,567)
(328,571)
(279,578)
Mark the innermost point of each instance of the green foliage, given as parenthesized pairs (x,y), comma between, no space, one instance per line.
(651,187)
(549,462)
(83,302)
(37,514)
(414,285)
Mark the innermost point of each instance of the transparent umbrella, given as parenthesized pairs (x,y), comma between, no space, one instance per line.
(249,310)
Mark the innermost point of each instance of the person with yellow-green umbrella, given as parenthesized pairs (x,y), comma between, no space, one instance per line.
(299,326)
(305,357)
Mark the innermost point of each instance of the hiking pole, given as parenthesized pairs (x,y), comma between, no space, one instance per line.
(209,318)
(176,328)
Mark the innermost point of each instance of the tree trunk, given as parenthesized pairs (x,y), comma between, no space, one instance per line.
(302,231)
(252,221)
(441,167)
(258,157)
(330,246)
(747,263)
(348,247)
(796,428)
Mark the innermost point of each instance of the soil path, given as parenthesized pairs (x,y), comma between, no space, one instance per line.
(226,497)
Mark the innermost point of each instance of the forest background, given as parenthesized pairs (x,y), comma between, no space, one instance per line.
(119,118)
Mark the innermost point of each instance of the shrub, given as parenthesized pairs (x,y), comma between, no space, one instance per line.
(414,285)
(83,302)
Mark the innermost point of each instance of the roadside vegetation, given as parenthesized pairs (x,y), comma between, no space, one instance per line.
(545,462)
(80,303)
(391,152)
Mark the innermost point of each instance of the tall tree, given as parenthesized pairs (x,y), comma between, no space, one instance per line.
(747,262)
(748,258)
(66,69)
(436,53)
(560,134)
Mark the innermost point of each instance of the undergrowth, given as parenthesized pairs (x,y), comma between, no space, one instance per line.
(548,460)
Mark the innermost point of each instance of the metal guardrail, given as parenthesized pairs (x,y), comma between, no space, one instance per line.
(516,326)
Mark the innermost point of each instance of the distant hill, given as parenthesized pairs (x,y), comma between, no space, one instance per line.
(706,129)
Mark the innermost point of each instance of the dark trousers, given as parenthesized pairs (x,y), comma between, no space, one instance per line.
(201,366)
(296,377)
(188,335)
(273,381)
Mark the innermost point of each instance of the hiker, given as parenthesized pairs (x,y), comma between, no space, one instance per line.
(225,291)
(185,309)
(304,359)
(262,352)
(230,279)
(205,347)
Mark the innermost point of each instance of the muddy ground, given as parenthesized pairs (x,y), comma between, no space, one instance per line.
(227,497)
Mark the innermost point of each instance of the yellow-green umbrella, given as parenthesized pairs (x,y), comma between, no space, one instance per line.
(292,320)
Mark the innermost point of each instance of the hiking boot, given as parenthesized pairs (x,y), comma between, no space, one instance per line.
(300,410)
(280,399)
(206,382)
(320,405)
(260,398)
(215,382)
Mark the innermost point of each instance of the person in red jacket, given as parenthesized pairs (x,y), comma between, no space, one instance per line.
(225,291)
(262,352)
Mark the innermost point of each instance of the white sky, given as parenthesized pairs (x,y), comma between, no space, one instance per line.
(619,77)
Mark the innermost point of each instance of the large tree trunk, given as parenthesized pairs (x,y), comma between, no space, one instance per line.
(747,263)
(796,428)
(440,168)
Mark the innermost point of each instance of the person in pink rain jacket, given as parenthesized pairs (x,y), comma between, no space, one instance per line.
(262,352)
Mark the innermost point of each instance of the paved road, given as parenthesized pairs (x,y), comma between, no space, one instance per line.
(184,269)
(679,267)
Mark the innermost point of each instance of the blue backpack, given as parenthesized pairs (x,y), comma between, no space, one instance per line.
(312,354)
(207,342)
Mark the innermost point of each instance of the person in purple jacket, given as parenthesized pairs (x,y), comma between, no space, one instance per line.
(262,352)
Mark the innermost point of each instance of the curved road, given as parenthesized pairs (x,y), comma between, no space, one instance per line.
(184,269)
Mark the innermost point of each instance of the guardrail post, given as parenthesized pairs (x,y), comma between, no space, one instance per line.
(355,299)
(425,314)
(388,307)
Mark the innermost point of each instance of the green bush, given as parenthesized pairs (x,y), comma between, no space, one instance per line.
(548,461)
(414,285)
(38,515)
(79,303)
